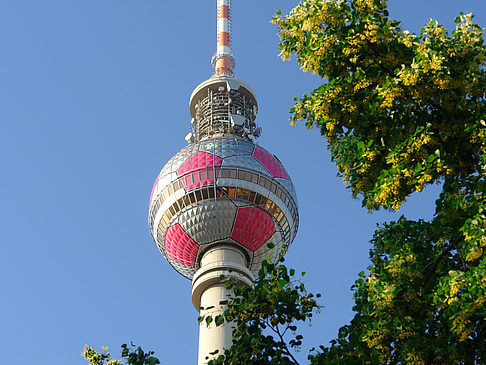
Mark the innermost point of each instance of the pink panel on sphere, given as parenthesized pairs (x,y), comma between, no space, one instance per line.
(253,227)
(180,246)
(270,162)
(205,167)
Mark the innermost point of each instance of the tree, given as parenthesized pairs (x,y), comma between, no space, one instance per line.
(399,111)
(265,318)
(133,356)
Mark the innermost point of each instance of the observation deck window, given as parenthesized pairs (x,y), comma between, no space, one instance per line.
(177,185)
(192,197)
(258,199)
(211,193)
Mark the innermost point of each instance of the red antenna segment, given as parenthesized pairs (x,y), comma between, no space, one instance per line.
(223,60)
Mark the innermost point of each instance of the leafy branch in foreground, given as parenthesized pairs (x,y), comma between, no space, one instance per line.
(132,356)
(265,318)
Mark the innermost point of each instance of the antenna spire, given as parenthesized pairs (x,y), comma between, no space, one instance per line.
(223,60)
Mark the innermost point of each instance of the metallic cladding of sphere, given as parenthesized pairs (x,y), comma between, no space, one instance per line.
(222,188)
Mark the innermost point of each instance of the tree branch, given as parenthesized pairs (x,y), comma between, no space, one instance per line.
(282,341)
(430,267)
(286,347)
(464,264)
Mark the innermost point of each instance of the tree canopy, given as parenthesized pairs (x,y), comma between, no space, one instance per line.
(399,111)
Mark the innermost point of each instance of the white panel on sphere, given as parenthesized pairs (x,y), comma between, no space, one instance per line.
(209,221)
(245,147)
(164,182)
(265,253)
(246,162)
(226,147)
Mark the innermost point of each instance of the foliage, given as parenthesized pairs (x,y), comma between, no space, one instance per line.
(399,111)
(265,317)
(405,310)
(132,356)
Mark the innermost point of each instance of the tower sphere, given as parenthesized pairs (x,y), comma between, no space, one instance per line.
(223,189)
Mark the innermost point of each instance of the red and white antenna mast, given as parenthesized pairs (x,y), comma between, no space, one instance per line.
(223,60)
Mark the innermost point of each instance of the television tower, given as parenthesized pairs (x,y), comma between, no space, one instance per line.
(221,199)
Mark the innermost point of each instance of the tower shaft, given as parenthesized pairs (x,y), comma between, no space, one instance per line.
(208,291)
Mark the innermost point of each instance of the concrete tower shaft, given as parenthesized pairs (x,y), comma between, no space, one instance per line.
(208,292)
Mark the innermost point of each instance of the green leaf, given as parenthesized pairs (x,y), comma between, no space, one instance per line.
(282,283)
(208,319)
(219,320)
(361,146)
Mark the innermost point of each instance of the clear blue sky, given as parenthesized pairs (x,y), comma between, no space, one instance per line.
(93,102)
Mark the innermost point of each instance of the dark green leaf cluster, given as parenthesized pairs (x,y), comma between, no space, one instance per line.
(132,356)
(400,316)
(265,318)
(136,356)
